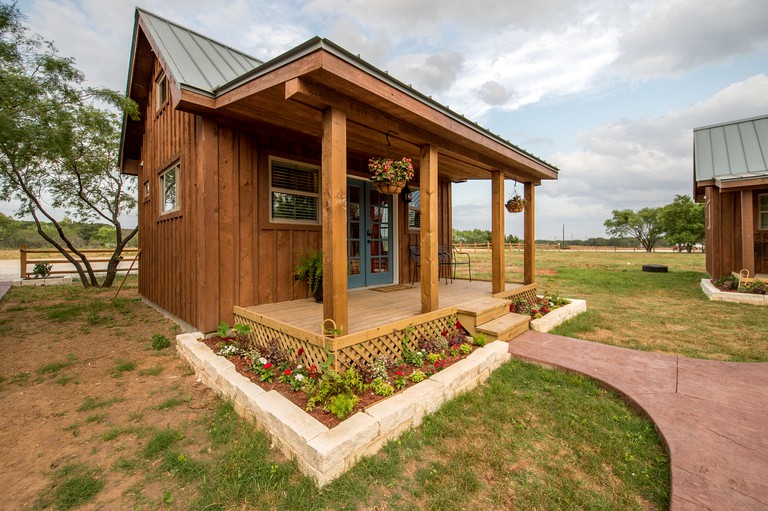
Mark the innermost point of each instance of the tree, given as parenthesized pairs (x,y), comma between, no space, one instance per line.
(643,225)
(56,146)
(683,222)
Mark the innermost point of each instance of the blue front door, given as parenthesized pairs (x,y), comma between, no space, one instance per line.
(369,234)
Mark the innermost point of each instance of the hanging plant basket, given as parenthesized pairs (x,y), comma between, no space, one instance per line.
(389,176)
(389,188)
(515,204)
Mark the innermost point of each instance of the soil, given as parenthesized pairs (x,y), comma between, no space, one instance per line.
(300,398)
(43,428)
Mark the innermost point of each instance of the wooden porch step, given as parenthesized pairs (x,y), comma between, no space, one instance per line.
(505,327)
(481,310)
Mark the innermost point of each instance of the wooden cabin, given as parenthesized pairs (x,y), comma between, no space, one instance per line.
(244,166)
(731,177)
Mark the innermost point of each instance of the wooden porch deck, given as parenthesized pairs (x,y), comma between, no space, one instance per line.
(370,308)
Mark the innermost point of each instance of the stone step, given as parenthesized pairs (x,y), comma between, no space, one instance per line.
(505,327)
(481,310)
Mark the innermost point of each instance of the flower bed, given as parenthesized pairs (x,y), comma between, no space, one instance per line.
(330,395)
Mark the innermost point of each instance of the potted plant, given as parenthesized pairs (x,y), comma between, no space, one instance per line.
(310,270)
(516,204)
(389,176)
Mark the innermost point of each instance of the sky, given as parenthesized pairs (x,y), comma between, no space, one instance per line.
(608,91)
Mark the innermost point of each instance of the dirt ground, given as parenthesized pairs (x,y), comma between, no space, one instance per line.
(68,395)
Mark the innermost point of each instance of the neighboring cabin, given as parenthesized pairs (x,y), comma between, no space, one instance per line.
(731,177)
(245,166)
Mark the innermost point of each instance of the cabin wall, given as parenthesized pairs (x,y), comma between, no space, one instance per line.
(724,252)
(166,276)
(219,249)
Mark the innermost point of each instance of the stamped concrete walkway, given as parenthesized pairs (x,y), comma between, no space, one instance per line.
(712,415)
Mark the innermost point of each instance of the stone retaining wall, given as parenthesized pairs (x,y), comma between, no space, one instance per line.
(324,453)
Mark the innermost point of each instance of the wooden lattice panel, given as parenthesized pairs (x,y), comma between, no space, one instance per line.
(349,350)
(262,335)
(527,293)
(390,344)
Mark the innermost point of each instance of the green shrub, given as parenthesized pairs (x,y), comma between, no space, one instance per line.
(480,340)
(341,405)
(159,341)
(381,387)
(418,376)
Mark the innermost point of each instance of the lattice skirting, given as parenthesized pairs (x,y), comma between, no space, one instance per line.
(348,350)
(527,293)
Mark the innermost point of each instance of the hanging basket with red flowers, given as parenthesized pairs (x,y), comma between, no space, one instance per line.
(389,176)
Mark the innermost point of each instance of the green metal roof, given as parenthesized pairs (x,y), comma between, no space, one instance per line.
(731,151)
(196,62)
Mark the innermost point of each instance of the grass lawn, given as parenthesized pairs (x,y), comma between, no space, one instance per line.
(134,429)
(665,312)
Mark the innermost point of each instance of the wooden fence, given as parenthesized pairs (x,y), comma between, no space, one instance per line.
(518,247)
(55,257)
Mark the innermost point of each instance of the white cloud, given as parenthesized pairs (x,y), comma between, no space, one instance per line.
(677,36)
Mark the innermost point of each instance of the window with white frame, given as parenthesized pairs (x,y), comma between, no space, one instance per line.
(294,192)
(762,211)
(169,184)
(161,91)
(414,210)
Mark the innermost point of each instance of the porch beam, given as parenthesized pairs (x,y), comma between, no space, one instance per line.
(334,217)
(529,233)
(497,232)
(747,233)
(430,263)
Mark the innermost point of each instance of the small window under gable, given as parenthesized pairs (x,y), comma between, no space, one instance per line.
(161,90)
(294,192)
(169,184)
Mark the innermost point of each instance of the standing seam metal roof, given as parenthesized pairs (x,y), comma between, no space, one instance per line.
(195,61)
(731,151)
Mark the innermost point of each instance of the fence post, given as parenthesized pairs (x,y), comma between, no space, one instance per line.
(23,261)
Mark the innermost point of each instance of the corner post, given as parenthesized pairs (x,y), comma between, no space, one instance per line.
(747,233)
(23,261)
(529,234)
(334,216)
(497,232)
(430,263)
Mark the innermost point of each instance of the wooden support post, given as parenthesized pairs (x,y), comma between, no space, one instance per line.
(23,261)
(430,264)
(747,233)
(334,211)
(497,232)
(529,235)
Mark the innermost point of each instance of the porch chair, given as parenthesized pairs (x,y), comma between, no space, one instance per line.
(455,253)
(443,257)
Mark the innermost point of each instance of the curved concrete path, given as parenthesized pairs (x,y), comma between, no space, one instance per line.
(712,415)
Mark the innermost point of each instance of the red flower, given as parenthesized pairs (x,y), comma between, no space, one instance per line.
(445,333)
(455,346)
(400,373)
(267,365)
(312,368)
(458,325)
(287,372)
(300,352)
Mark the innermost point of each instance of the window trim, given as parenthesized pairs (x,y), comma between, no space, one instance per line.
(161,84)
(161,175)
(271,189)
(408,213)
(147,191)
(760,213)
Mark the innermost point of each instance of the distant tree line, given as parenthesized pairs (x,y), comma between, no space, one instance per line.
(479,236)
(14,233)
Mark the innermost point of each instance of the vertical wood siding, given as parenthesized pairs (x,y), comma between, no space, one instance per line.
(220,249)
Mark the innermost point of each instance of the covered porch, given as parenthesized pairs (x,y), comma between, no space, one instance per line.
(372,308)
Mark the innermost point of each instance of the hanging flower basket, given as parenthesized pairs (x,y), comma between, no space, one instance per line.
(389,188)
(516,204)
(389,176)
